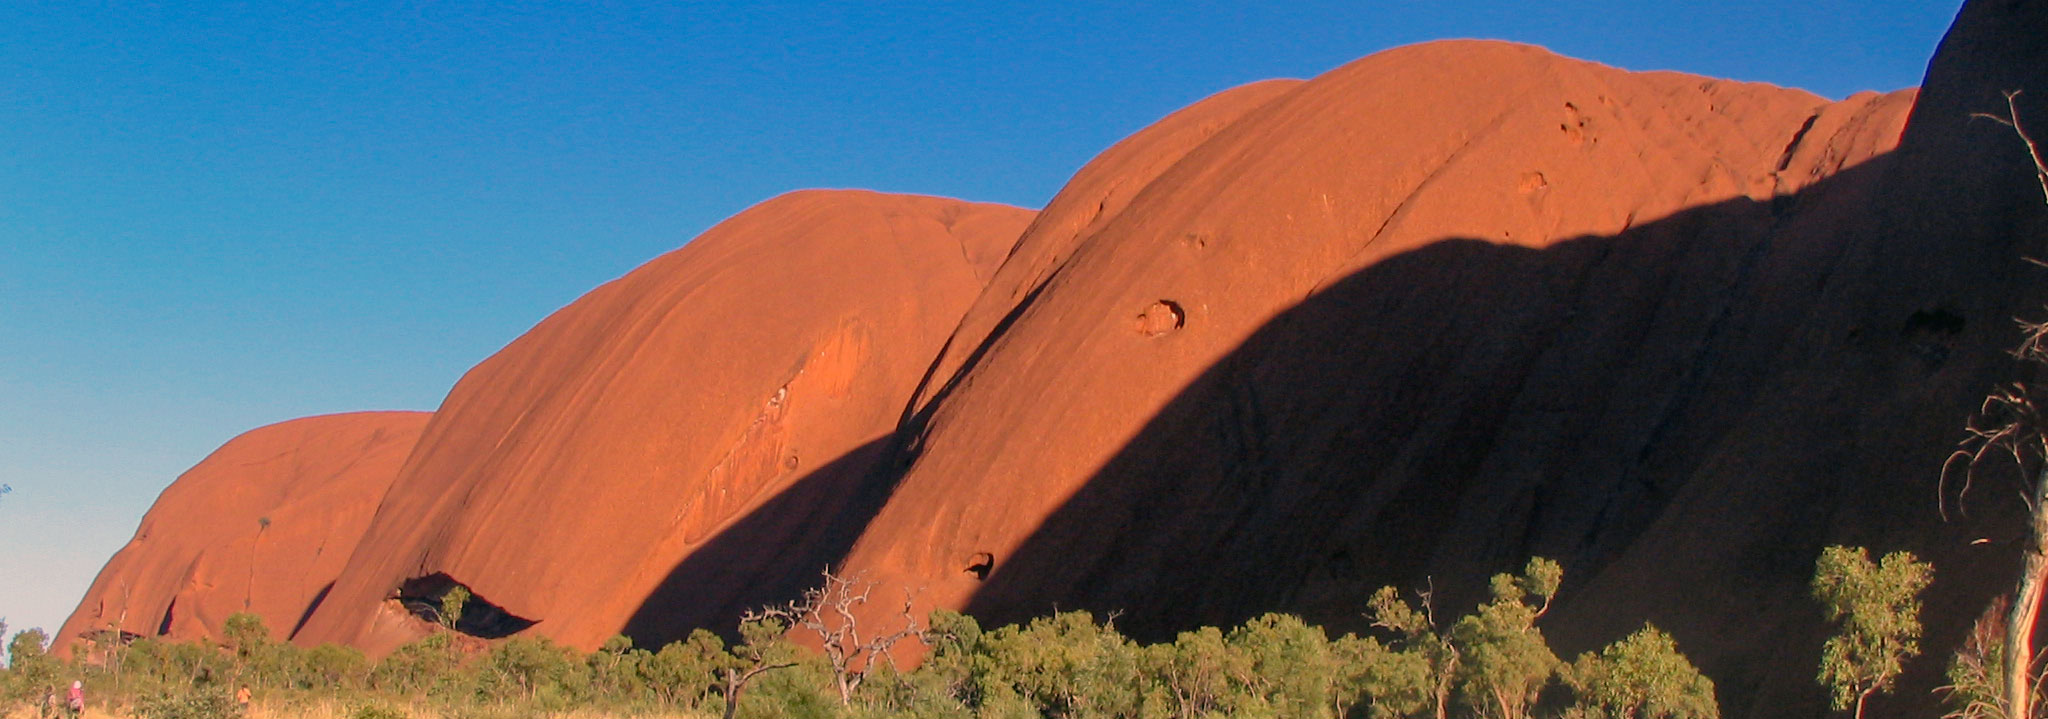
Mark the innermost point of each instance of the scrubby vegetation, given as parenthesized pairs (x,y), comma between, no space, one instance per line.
(1490,663)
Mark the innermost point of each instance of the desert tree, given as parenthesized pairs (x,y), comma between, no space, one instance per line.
(1068,665)
(35,672)
(2011,424)
(1643,676)
(1391,683)
(617,670)
(1975,688)
(449,610)
(1191,675)
(1423,640)
(1495,657)
(1285,667)
(1875,607)
(1506,660)
(2011,119)
(761,650)
(528,665)
(830,612)
(682,673)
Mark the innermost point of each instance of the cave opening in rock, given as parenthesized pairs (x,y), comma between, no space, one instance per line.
(432,597)
(1934,320)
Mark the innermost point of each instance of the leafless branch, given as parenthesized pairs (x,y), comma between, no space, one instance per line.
(2010,423)
(2012,120)
(828,612)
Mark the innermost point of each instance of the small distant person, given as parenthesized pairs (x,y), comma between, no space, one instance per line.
(49,708)
(75,699)
(242,699)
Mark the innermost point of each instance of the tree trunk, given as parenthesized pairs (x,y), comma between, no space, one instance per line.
(1860,696)
(1443,685)
(2026,607)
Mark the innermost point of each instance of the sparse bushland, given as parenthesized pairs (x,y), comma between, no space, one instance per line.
(1490,663)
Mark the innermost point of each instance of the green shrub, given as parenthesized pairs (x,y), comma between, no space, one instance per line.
(332,666)
(417,668)
(531,668)
(1067,666)
(32,672)
(683,673)
(189,705)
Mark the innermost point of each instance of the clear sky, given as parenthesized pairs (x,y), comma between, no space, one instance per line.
(219,215)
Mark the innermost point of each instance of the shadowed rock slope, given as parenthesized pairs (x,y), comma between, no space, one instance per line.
(1501,149)
(263,524)
(1408,322)
(1460,303)
(566,476)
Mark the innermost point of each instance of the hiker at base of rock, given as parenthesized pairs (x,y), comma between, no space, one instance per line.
(242,699)
(75,700)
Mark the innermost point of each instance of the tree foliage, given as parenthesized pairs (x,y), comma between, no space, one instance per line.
(1494,660)
(1640,677)
(453,601)
(1419,662)
(1506,662)
(1875,607)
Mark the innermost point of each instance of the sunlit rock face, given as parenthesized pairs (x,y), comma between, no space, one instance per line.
(594,476)
(262,525)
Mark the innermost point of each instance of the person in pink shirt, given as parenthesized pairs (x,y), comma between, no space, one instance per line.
(75,699)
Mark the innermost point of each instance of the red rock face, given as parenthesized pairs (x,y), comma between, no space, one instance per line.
(1458,304)
(263,525)
(1287,369)
(591,477)
(1447,307)
(1414,320)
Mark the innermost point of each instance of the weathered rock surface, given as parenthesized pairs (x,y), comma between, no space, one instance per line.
(263,524)
(566,479)
(1460,303)
(1414,320)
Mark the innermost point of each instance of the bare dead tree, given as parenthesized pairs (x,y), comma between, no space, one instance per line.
(2011,424)
(2012,120)
(828,612)
(120,645)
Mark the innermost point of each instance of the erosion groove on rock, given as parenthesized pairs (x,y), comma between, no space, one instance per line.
(1414,320)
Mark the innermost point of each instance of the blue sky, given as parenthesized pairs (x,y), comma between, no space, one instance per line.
(215,216)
